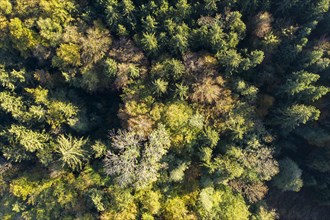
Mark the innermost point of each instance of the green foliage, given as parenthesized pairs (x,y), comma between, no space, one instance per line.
(181,91)
(221,204)
(289,179)
(67,54)
(95,45)
(300,86)
(177,174)
(28,139)
(175,208)
(96,197)
(6,7)
(149,23)
(50,30)
(23,38)
(99,148)
(150,201)
(149,43)
(294,115)
(12,104)
(177,115)
(264,214)
(11,80)
(90,81)
(71,151)
(61,112)
(110,67)
(203,95)
(160,87)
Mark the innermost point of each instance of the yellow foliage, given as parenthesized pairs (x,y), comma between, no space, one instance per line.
(58,10)
(126,214)
(39,94)
(22,187)
(23,38)
(134,108)
(157,111)
(5,7)
(177,115)
(60,112)
(150,201)
(175,208)
(69,54)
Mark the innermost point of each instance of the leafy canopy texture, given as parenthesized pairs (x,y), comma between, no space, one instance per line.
(163,109)
(71,151)
(138,160)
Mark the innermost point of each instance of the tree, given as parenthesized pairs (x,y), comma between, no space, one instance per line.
(30,140)
(111,67)
(170,69)
(149,24)
(202,94)
(177,115)
(149,43)
(21,142)
(59,11)
(151,201)
(211,5)
(289,178)
(292,116)
(177,174)
(130,166)
(90,81)
(207,91)
(253,59)
(265,214)
(262,22)
(210,34)
(23,38)
(61,113)
(95,44)
(175,68)
(229,59)
(181,91)
(299,85)
(179,39)
(50,31)
(99,148)
(124,164)
(128,7)
(183,8)
(155,149)
(71,151)
(67,54)
(260,162)
(12,105)
(250,92)
(221,204)
(160,87)
(10,80)
(253,192)
(175,208)
(6,7)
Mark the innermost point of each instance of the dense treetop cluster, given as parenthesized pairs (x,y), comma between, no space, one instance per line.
(163,109)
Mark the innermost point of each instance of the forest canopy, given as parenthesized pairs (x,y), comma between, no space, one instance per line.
(163,109)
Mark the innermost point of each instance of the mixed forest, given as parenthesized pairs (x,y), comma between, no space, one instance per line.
(164,109)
